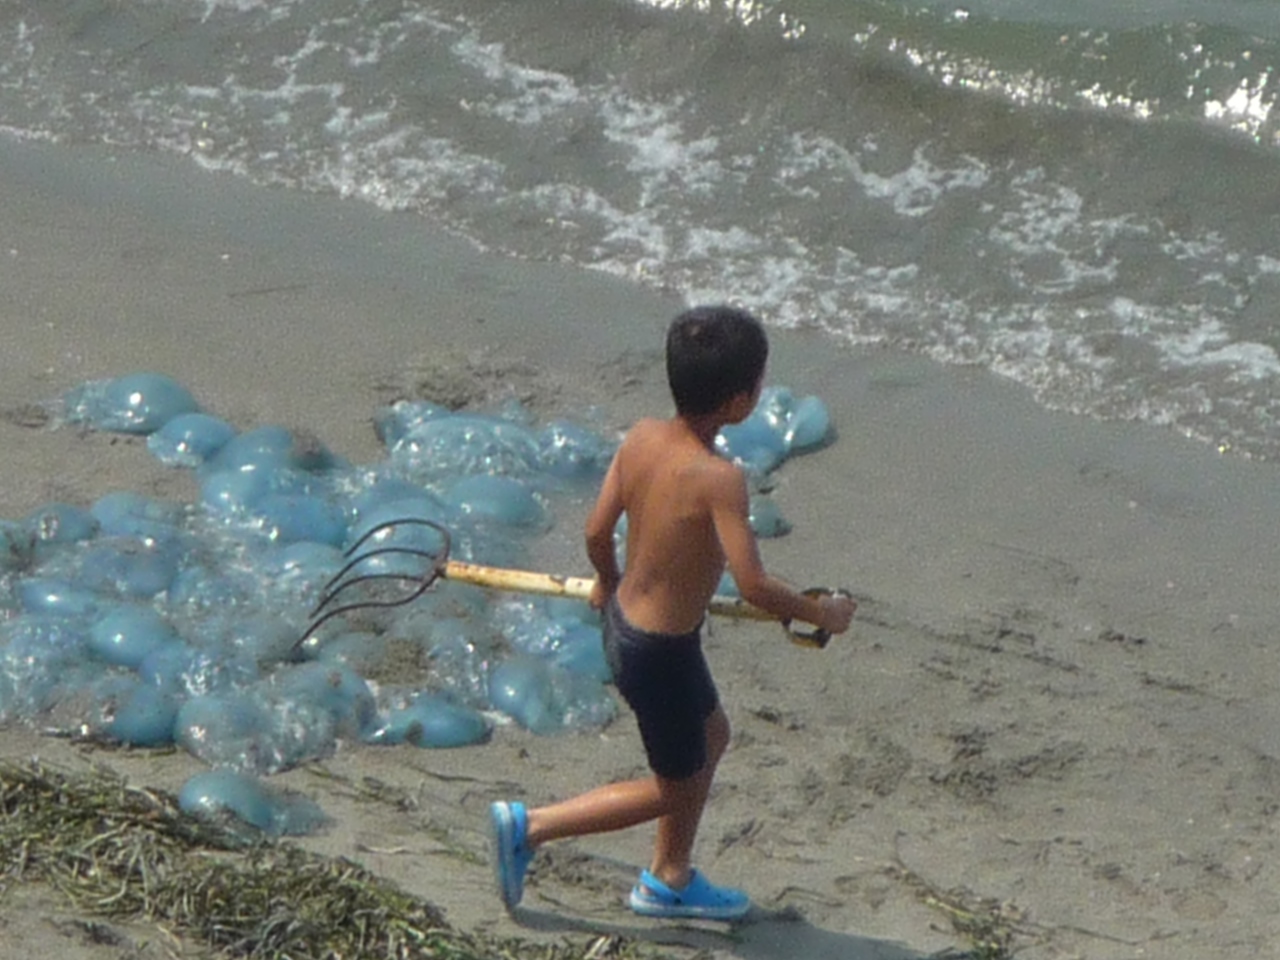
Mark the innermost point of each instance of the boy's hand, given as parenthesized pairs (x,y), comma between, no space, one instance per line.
(600,594)
(837,612)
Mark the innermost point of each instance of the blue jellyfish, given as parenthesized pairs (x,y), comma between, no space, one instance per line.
(272,447)
(774,407)
(809,426)
(225,729)
(448,447)
(126,634)
(132,712)
(545,698)
(755,443)
(189,439)
(56,597)
(380,490)
(502,499)
(392,423)
(765,517)
(335,689)
(432,720)
(55,523)
(128,514)
(235,491)
(581,650)
(135,403)
(40,657)
(294,517)
(189,672)
(131,567)
(217,794)
(571,452)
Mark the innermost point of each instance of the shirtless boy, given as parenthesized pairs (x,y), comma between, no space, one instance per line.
(686,512)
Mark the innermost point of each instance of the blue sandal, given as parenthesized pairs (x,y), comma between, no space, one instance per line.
(698,898)
(509,825)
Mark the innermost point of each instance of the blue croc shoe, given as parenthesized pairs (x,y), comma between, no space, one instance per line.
(511,856)
(699,898)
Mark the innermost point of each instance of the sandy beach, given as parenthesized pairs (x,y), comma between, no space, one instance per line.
(1058,695)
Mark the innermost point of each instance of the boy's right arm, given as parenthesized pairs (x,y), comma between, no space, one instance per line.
(729,509)
(599,534)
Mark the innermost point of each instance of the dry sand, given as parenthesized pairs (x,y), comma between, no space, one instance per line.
(1058,693)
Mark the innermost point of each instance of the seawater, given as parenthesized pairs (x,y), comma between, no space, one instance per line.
(1084,197)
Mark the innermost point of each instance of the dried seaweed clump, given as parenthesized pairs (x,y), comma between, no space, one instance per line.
(989,927)
(123,852)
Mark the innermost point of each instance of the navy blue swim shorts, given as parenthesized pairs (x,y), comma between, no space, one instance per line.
(665,680)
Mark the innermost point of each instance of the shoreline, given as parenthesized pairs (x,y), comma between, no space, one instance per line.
(1057,692)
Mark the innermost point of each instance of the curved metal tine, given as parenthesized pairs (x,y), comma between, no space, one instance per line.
(315,625)
(328,592)
(438,559)
(418,591)
(429,576)
(420,521)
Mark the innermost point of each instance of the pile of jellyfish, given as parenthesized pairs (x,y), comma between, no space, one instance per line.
(153,623)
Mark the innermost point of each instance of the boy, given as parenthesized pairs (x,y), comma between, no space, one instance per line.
(686,512)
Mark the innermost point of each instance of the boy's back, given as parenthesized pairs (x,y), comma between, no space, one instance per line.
(671,485)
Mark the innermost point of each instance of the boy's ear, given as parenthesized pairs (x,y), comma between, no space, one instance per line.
(738,407)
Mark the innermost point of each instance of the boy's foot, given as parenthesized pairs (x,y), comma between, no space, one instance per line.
(509,824)
(698,898)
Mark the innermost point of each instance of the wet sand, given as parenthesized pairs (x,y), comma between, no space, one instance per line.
(1058,693)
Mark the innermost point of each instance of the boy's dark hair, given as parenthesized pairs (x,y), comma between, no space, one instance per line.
(713,354)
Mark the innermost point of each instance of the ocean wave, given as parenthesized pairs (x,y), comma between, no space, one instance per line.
(1214,73)
(932,182)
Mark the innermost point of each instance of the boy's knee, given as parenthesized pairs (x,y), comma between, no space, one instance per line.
(718,732)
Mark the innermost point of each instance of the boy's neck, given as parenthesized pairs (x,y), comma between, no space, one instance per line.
(704,427)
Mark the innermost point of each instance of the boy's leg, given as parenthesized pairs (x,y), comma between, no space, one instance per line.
(613,806)
(517,831)
(671,887)
(683,803)
(676,804)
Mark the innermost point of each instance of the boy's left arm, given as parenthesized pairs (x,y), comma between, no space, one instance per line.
(742,554)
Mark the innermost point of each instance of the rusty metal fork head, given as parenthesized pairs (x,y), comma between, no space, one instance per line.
(416,583)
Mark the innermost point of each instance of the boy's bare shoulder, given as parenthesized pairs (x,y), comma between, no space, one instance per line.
(651,439)
(647,427)
(644,434)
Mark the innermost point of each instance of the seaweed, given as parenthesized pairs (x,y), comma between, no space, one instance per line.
(124,852)
(989,927)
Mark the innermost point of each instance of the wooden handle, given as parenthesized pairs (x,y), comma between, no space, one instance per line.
(575,588)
